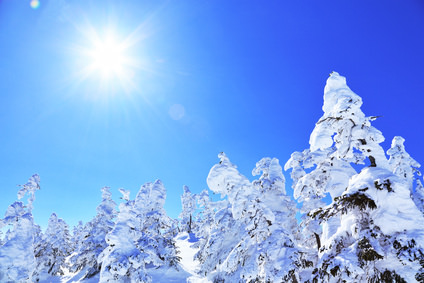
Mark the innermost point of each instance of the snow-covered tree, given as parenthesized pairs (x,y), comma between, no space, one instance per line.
(224,230)
(346,127)
(372,229)
(401,163)
(17,260)
(404,166)
(77,235)
(157,228)
(92,237)
(205,221)
(418,196)
(381,234)
(188,203)
(247,243)
(328,174)
(277,255)
(122,261)
(53,248)
(140,237)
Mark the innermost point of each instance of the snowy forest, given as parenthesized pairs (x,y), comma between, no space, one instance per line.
(356,215)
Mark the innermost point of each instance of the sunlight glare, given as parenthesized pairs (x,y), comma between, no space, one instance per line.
(108,58)
(108,61)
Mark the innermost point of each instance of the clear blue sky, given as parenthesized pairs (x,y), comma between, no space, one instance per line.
(244,77)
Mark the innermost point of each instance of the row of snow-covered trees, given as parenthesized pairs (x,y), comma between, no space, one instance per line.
(360,217)
(118,245)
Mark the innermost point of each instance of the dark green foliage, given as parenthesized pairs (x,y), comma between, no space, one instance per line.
(355,200)
(387,185)
(344,204)
(411,252)
(387,277)
(420,277)
(334,270)
(367,252)
(218,279)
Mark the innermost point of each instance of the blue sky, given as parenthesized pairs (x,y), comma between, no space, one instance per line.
(243,77)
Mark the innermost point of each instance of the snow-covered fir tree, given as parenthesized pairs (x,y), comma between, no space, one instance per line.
(401,163)
(328,175)
(374,230)
(188,202)
(156,227)
(77,235)
(140,238)
(204,222)
(122,261)
(17,260)
(404,166)
(225,230)
(277,255)
(247,243)
(52,250)
(418,196)
(91,239)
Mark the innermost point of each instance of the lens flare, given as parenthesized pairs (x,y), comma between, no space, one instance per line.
(34,4)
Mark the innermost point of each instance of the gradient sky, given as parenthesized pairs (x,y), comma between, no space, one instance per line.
(243,77)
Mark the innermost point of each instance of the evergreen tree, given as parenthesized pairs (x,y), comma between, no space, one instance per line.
(17,260)
(77,236)
(157,228)
(418,196)
(247,243)
(345,127)
(277,255)
(205,221)
(188,203)
(92,237)
(404,166)
(141,237)
(122,261)
(52,250)
(401,163)
(376,230)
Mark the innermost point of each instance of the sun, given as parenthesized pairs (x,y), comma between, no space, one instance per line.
(107,61)
(108,58)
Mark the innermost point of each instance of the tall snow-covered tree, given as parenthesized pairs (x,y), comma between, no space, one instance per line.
(122,261)
(404,166)
(156,227)
(77,235)
(374,228)
(247,240)
(205,221)
(17,260)
(328,174)
(224,231)
(277,255)
(418,196)
(52,250)
(92,237)
(188,203)
(346,127)
(140,238)
(401,163)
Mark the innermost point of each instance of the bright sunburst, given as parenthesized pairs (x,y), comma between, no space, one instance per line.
(105,61)
(108,58)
